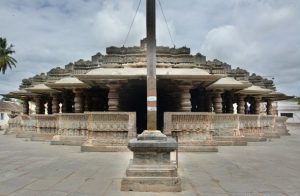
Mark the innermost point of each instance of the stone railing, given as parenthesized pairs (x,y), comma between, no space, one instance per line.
(193,130)
(189,127)
(267,124)
(225,125)
(249,126)
(71,129)
(280,125)
(15,125)
(109,131)
(72,124)
(45,124)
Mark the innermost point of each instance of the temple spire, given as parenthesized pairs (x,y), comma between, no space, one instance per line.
(151,66)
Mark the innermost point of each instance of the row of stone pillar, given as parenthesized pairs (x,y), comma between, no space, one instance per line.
(219,106)
(79,99)
(214,100)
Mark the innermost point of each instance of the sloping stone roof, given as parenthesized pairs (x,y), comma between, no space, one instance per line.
(6,106)
(228,83)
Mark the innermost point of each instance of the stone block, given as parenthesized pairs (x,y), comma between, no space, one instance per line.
(151,184)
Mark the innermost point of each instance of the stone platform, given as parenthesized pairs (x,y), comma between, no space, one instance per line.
(36,168)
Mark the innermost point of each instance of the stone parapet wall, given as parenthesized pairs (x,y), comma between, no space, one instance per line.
(208,128)
(249,126)
(109,131)
(192,129)
(72,124)
(280,125)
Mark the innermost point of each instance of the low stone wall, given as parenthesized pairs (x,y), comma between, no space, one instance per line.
(45,127)
(249,126)
(109,131)
(267,124)
(14,125)
(281,125)
(71,129)
(192,129)
(226,130)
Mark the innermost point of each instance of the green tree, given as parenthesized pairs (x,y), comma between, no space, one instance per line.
(5,56)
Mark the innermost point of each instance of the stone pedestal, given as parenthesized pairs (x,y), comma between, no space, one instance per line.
(151,169)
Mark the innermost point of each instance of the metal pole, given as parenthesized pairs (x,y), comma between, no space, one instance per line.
(151,66)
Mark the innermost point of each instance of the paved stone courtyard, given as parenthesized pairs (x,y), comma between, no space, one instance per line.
(36,168)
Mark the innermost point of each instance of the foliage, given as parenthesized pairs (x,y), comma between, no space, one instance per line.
(6,61)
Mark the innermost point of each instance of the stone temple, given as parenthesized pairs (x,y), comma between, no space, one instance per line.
(100,104)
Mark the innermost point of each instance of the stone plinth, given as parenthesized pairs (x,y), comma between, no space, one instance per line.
(193,130)
(109,131)
(151,169)
(71,129)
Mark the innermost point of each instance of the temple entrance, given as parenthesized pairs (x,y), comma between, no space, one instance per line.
(133,99)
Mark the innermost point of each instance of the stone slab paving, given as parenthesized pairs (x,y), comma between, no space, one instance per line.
(37,168)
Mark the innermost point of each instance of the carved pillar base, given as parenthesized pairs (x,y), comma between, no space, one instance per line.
(185,103)
(218,102)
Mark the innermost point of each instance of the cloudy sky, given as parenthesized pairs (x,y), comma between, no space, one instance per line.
(262,36)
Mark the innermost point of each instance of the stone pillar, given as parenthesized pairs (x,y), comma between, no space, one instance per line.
(257,105)
(38,105)
(87,99)
(49,106)
(26,106)
(55,103)
(209,103)
(241,104)
(78,101)
(113,97)
(229,103)
(185,102)
(269,107)
(218,102)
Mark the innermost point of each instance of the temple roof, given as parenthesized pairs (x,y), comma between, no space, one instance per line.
(67,83)
(135,73)
(228,83)
(255,90)
(40,88)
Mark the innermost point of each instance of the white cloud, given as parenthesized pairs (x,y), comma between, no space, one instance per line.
(261,36)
